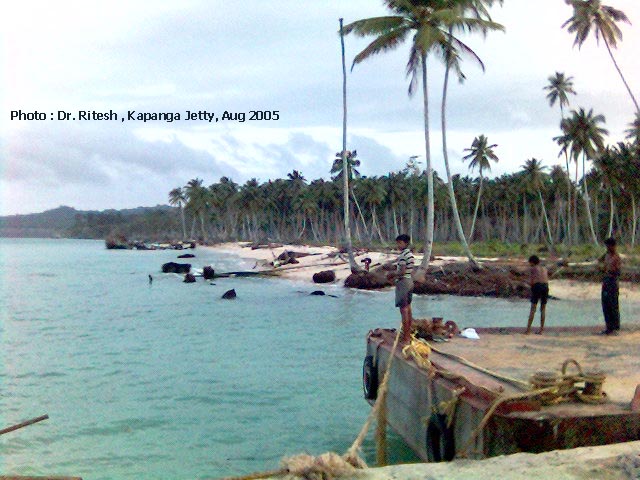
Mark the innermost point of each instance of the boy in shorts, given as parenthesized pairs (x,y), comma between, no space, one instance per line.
(539,281)
(404,283)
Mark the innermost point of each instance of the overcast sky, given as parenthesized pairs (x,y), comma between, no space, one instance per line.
(268,55)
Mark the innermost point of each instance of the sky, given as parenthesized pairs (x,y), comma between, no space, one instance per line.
(280,58)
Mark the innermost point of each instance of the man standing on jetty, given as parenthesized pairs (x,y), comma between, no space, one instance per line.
(611,268)
(404,283)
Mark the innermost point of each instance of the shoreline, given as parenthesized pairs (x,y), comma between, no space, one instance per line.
(327,258)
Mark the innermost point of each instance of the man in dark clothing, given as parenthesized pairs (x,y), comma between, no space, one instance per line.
(612,264)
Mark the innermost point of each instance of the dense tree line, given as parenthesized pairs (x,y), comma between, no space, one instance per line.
(533,205)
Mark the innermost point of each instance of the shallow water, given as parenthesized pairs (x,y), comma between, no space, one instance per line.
(170,381)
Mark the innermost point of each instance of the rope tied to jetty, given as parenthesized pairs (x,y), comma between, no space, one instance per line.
(419,351)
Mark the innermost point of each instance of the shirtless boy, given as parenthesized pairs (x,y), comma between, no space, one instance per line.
(539,281)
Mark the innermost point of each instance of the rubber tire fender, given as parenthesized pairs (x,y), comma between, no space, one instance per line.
(440,441)
(369,378)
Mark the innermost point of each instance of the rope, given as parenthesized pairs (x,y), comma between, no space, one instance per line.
(448,408)
(352,452)
(514,381)
(419,351)
(551,388)
(330,465)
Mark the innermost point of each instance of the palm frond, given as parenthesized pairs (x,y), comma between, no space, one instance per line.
(374,25)
(384,42)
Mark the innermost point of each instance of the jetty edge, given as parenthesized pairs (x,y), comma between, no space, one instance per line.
(445,405)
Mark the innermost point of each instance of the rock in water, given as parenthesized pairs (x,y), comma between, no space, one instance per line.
(186,255)
(208,272)
(326,276)
(317,292)
(229,294)
(189,278)
(173,267)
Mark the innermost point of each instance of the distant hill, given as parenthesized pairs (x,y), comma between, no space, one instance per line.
(67,222)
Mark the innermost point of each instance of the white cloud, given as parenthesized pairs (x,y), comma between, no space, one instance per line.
(284,55)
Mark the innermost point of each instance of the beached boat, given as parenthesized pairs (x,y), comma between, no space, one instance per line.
(475,399)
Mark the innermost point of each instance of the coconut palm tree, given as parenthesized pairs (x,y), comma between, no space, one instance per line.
(559,88)
(344,156)
(591,14)
(177,198)
(374,194)
(430,23)
(534,173)
(452,59)
(582,136)
(481,153)
(633,132)
(197,201)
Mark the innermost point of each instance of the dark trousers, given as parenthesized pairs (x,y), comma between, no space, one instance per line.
(610,303)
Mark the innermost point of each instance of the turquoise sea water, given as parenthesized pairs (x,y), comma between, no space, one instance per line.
(170,381)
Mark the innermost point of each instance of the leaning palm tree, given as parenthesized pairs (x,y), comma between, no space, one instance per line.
(534,174)
(583,137)
(480,155)
(483,23)
(591,14)
(430,23)
(177,198)
(559,87)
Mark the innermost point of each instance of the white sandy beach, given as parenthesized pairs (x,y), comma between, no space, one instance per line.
(326,258)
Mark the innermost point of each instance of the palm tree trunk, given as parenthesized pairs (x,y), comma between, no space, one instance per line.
(475,211)
(452,195)
(364,223)
(184,225)
(193,226)
(569,186)
(428,241)
(585,196)
(546,219)
(374,223)
(633,221)
(204,234)
(395,222)
(525,229)
(610,230)
(615,64)
(345,168)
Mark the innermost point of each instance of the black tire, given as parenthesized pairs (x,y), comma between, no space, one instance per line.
(369,378)
(439,440)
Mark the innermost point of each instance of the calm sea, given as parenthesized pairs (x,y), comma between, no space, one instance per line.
(167,380)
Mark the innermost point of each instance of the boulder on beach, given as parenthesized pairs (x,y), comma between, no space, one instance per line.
(229,294)
(325,276)
(173,267)
(189,278)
